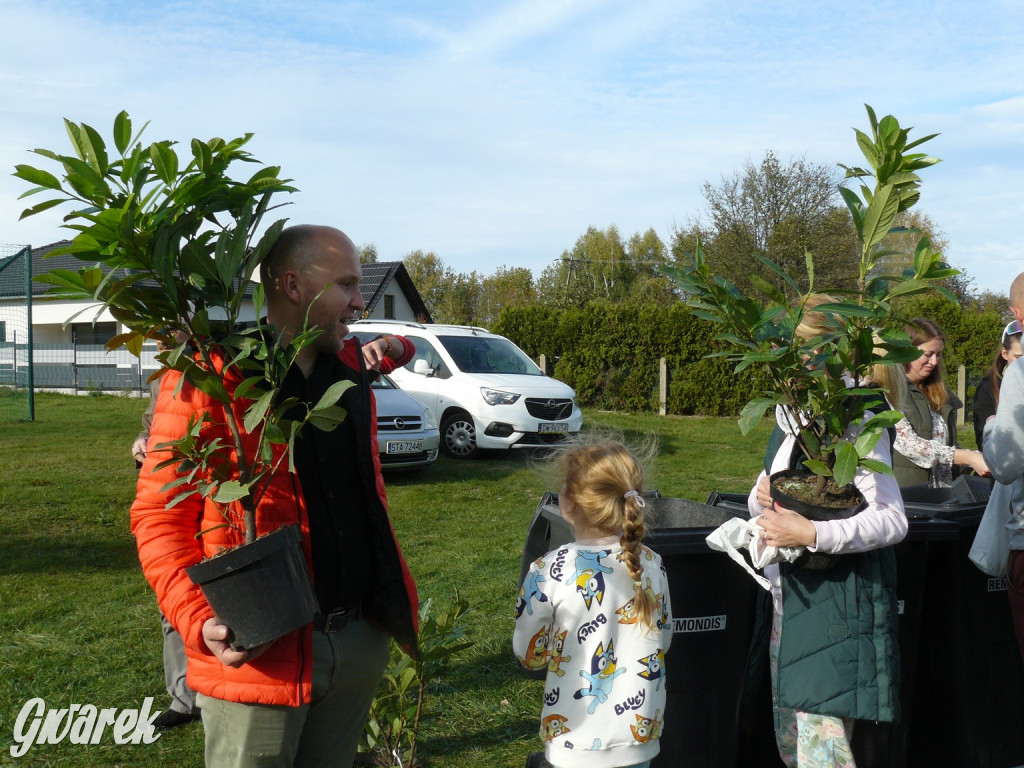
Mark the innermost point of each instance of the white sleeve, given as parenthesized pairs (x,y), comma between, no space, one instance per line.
(882,523)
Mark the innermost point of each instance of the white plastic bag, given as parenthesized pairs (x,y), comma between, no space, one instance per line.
(991,548)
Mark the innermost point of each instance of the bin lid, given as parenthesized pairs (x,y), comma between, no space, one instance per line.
(680,526)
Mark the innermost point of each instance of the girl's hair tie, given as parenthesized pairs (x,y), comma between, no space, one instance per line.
(636,495)
(637,584)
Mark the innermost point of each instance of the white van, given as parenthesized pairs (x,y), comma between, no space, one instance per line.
(485,391)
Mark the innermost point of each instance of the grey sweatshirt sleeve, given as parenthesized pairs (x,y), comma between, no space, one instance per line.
(1004,434)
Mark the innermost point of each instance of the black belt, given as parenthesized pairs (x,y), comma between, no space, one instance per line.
(338,619)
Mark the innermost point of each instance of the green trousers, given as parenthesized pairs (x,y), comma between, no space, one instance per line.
(347,666)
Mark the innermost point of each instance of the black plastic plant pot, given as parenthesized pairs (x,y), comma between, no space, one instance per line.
(262,591)
(808,510)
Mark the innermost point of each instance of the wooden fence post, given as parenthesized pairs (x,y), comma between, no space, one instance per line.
(662,387)
(961,392)
(544,364)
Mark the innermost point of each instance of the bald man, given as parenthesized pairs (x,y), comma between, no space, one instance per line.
(303,699)
(1004,454)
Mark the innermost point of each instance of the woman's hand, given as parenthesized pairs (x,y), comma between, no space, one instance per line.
(784,527)
(973,459)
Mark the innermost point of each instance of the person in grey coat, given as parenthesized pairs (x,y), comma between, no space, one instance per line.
(1004,454)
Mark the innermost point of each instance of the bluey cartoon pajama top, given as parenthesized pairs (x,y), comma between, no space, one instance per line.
(604,697)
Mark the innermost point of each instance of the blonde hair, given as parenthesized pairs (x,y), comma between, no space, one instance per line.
(597,478)
(892,380)
(813,323)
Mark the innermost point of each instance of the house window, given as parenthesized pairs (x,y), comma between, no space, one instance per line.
(389,307)
(87,333)
(3,331)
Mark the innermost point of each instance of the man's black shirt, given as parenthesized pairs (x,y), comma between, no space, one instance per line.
(328,466)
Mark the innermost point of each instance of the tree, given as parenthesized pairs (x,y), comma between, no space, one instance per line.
(898,250)
(458,300)
(780,212)
(507,287)
(368,253)
(451,297)
(601,266)
(430,275)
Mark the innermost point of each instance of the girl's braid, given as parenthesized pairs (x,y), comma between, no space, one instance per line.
(633,531)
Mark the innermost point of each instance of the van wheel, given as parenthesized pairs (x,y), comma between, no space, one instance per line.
(458,436)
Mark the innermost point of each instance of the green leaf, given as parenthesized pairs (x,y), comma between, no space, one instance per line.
(37,176)
(768,289)
(165,161)
(39,208)
(230,491)
(333,394)
(874,465)
(122,132)
(846,310)
(879,216)
(328,418)
(242,390)
(866,441)
(845,467)
(818,467)
(257,411)
(884,420)
(855,206)
(753,413)
(909,287)
(97,149)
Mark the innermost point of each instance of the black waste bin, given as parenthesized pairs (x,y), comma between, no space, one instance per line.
(970,696)
(888,745)
(712,614)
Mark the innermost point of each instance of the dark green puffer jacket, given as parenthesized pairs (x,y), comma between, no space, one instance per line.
(918,411)
(839,654)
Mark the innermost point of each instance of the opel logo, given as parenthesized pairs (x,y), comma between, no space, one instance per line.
(552,404)
(399,422)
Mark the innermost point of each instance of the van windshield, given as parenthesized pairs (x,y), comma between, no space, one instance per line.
(477,354)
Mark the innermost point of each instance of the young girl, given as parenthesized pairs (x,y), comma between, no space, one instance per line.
(595,614)
(833,652)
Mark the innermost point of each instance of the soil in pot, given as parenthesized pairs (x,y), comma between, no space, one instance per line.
(794,489)
(262,591)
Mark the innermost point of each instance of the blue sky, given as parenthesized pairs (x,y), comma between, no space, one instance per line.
(495,133)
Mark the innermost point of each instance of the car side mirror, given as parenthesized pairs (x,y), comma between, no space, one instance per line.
(422,367)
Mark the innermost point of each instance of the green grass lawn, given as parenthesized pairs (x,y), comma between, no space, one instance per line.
(80,625)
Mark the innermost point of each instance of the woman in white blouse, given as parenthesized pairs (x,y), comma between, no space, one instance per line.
(925,449)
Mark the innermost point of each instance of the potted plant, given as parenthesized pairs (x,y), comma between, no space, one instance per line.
(170,244)
(824,381)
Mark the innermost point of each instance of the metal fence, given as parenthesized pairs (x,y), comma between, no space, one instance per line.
(17,401)
(78,367)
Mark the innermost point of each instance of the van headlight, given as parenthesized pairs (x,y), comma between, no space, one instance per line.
(497,397)
(429,420)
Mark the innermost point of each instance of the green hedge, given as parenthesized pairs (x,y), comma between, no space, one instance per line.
(609,353)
